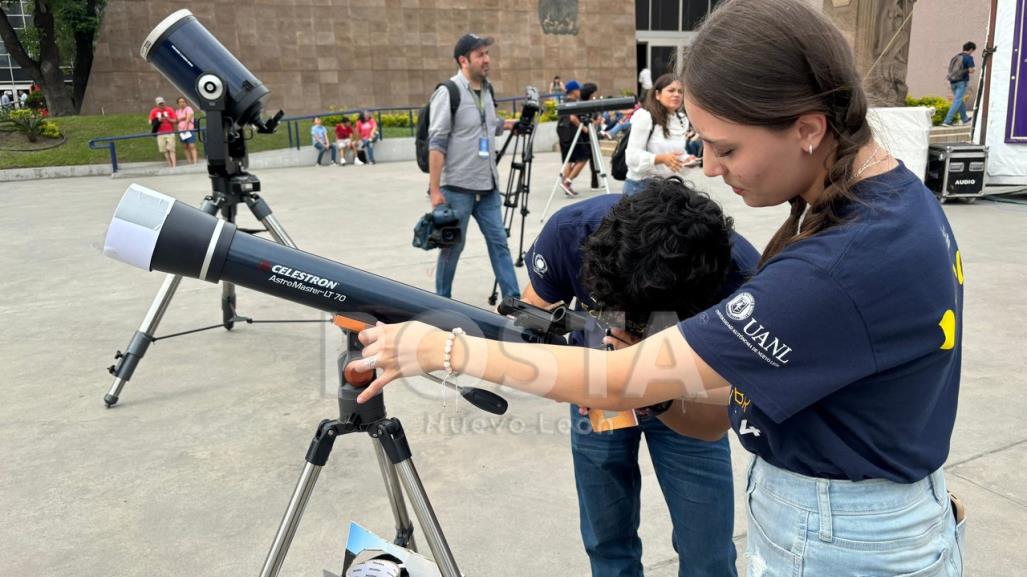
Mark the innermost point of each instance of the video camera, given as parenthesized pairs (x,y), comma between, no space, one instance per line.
(437,229)
(532,108)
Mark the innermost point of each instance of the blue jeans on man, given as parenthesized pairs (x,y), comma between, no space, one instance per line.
(958,91)
(485,207)
(694,476)
(321,148)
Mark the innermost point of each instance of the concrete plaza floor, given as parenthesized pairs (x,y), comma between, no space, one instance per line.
(191,472)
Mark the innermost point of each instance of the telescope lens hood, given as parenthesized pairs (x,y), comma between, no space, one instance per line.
(153,231)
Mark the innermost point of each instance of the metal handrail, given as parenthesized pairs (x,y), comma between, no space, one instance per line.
(108,142)
(292,124)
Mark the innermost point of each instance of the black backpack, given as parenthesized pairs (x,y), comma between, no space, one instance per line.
(619,162)
(424,120)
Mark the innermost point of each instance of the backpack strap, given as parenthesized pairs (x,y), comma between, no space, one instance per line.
(454,97)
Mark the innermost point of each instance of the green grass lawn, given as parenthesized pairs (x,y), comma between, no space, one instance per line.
(79,130)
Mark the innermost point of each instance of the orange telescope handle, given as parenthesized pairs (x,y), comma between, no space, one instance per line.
(349,324)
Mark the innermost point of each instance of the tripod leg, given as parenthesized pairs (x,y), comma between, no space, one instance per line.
(597,158)
(404,528)
(559,177)
(524,189)
(510,199)
(390,433)
(528,155)
(228,316)
(317,456)
(262,212)
(142,338)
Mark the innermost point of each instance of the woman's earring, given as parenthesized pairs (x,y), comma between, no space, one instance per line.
(811,149)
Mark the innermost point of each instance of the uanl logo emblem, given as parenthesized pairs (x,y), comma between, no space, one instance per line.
(741,306)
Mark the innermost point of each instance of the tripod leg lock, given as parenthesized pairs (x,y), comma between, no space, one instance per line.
(128,360)
(390,433)
(258,207)
(404,536)
(322,443)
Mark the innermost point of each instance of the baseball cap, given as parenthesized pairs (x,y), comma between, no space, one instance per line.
(158,100)
(469,43)
(571,86)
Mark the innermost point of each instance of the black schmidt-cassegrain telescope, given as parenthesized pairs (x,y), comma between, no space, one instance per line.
(202,69)
(155,232)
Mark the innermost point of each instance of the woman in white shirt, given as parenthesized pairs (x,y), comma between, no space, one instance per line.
(656,143)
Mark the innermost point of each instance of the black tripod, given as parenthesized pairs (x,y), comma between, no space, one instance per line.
(394,460)
(518,185)
(231,186)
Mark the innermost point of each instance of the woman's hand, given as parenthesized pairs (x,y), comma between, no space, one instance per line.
(670,160)
(399,350)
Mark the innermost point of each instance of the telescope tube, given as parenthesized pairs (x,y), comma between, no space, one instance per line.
(153,231)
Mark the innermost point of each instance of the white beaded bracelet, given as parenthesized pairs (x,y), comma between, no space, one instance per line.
(447,353)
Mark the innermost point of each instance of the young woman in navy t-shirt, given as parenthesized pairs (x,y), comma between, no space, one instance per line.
(838,361)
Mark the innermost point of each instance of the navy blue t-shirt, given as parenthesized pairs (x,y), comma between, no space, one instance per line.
(843,351)
(554,260)
(968,63)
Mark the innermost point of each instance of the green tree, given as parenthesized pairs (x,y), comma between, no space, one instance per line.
(59,27)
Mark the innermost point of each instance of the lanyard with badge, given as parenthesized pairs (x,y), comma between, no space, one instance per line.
(479,102)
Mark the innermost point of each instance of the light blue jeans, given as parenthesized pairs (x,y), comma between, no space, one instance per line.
(486,209)
(958,91)
(633,186)
(322,149)
(808,527)
(694,476)
(369,150)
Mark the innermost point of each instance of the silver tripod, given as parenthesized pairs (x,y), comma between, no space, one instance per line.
(232,185)
(597,160)
(144,335)
(394,460)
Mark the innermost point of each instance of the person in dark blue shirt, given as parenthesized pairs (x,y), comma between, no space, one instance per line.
(839,360)
(668,250)
(959,82)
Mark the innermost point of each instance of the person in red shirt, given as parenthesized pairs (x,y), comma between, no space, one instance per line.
(345,140)
(165,118)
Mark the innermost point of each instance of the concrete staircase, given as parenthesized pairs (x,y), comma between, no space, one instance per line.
(950,134)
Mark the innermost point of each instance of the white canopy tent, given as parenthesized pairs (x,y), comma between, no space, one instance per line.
(1006,113)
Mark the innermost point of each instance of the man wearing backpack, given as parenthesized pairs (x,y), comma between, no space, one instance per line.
(961,66)
(462,162)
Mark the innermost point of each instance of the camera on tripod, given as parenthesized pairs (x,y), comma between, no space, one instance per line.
(437,229)
(531,108)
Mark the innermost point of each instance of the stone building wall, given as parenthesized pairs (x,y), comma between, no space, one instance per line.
(318,55)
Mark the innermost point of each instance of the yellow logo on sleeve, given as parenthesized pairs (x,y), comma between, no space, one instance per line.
(948,326)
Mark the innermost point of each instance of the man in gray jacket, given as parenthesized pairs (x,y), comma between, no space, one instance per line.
(462,164)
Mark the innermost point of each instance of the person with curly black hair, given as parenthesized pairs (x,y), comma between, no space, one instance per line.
(645,262)
(838,363)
